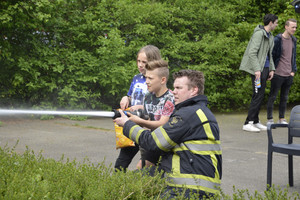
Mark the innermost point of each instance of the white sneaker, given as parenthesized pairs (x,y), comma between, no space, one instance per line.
(282,121)
(260,126)
(270,121)
(250,127)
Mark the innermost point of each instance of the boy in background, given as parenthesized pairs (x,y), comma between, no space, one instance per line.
(158,104)
(135,98)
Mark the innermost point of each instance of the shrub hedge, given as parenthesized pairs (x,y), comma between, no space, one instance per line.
(31,176)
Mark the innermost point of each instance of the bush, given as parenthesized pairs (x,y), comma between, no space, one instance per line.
(30,176)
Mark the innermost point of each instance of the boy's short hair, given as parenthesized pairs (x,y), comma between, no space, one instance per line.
(162,65)
(151,51)
(196,79)
(269,18)
(287,23)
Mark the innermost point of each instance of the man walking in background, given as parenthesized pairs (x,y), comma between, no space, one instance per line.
(257,61)
(284,56)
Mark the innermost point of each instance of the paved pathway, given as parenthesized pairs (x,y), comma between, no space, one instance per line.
(244,154)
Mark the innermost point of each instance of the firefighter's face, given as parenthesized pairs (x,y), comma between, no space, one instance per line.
(141,62)
(154,81)
(182,91)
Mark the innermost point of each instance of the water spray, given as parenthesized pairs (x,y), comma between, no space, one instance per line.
(111,114)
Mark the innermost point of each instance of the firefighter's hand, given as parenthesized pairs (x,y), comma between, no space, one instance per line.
(121,120)
(124,103)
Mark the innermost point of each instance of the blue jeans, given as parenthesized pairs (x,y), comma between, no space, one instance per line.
(283,84)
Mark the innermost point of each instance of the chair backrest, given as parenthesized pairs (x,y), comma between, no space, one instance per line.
(294,125)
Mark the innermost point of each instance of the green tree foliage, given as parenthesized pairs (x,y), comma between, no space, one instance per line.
(81,53)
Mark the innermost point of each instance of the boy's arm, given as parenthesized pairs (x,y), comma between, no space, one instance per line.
(136,107)
(125,101)
(147,123)
(166,113)
(255,44)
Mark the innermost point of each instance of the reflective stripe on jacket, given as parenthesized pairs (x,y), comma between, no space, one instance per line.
(189,143)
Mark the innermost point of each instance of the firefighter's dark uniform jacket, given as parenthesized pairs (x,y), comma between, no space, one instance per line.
(190,145)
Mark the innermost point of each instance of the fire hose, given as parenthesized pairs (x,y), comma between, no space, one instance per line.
(112,114)
(121,140)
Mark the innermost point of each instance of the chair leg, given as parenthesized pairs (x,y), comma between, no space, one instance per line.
(291,177)
(269,169)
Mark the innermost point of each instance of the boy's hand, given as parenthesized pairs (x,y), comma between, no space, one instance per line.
(124,103)
(271,74)
(136,119)
(121,120)
(257,75)
(136,107)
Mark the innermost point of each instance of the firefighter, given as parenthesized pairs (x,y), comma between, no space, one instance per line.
(189,143)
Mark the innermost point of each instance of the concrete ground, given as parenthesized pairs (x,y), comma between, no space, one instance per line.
(244,153)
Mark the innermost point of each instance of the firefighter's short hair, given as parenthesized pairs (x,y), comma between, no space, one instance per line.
(195,77)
